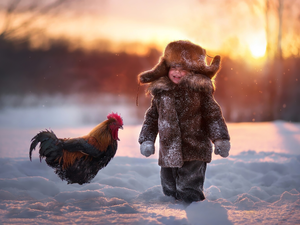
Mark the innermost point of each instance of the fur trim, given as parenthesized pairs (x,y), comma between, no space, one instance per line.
(159,70)
(162,84)
(186,54)
(195,82)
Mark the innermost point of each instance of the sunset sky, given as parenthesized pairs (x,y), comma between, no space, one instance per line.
(158,22)
(229,27)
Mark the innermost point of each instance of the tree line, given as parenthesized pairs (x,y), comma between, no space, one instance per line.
(245,92)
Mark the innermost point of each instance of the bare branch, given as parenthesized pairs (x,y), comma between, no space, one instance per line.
(279,38)
(10,10)
(12,7)
(35,10)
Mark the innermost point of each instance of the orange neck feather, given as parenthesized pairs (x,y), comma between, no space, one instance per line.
(102,134)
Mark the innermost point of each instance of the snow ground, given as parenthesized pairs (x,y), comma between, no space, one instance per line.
(258,184)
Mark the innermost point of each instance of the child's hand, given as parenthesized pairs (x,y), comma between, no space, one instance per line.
(147,148)
(222,148)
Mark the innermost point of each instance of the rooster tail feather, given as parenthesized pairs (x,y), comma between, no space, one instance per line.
(50,145)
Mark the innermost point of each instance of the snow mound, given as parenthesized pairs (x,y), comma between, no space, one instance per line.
(128,191)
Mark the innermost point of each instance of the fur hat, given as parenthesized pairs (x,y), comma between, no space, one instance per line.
(186,54)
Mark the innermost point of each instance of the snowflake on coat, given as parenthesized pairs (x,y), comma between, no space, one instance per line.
(186,115)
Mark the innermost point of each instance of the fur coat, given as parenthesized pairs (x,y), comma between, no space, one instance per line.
(187,118)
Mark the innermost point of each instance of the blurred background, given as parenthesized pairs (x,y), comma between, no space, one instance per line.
(68,63)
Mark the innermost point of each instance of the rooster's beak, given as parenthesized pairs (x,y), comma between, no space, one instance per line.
(121,127)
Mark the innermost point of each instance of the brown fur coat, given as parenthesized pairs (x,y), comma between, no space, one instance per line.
(187,118)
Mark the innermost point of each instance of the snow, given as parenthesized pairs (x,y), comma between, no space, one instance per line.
(259,183)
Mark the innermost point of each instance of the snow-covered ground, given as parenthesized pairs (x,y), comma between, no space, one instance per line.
(258,184)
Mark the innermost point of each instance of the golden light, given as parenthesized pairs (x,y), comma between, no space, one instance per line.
(257,50)
(134,30)
(257,47)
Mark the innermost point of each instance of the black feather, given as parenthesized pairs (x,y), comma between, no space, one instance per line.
(50,145)
(84,170)
(79,144)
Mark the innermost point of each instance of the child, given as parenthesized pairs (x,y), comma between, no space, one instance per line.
(186,116)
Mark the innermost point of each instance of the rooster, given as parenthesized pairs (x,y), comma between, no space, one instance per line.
(78,160)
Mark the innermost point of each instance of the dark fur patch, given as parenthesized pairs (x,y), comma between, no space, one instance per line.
(186,54)
(159,70)
(196,82)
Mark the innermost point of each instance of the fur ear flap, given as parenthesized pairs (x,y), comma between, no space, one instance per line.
(211,70)
(161,69)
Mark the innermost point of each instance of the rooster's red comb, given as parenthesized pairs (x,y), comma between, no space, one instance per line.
(115,116)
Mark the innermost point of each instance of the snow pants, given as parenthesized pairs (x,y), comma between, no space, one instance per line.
(184,183)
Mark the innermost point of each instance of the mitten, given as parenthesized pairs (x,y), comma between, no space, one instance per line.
(222,148)
(147,148)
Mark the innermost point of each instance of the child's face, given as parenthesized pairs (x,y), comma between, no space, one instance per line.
(176,73)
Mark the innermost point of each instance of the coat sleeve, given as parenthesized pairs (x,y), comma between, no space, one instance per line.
(150,126)
(213,119)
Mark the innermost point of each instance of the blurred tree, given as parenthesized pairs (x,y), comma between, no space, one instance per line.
(275,13)
(279,65)
(19,16)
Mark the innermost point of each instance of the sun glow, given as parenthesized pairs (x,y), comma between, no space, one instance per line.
(257,47)
(134,30)
(257,50)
